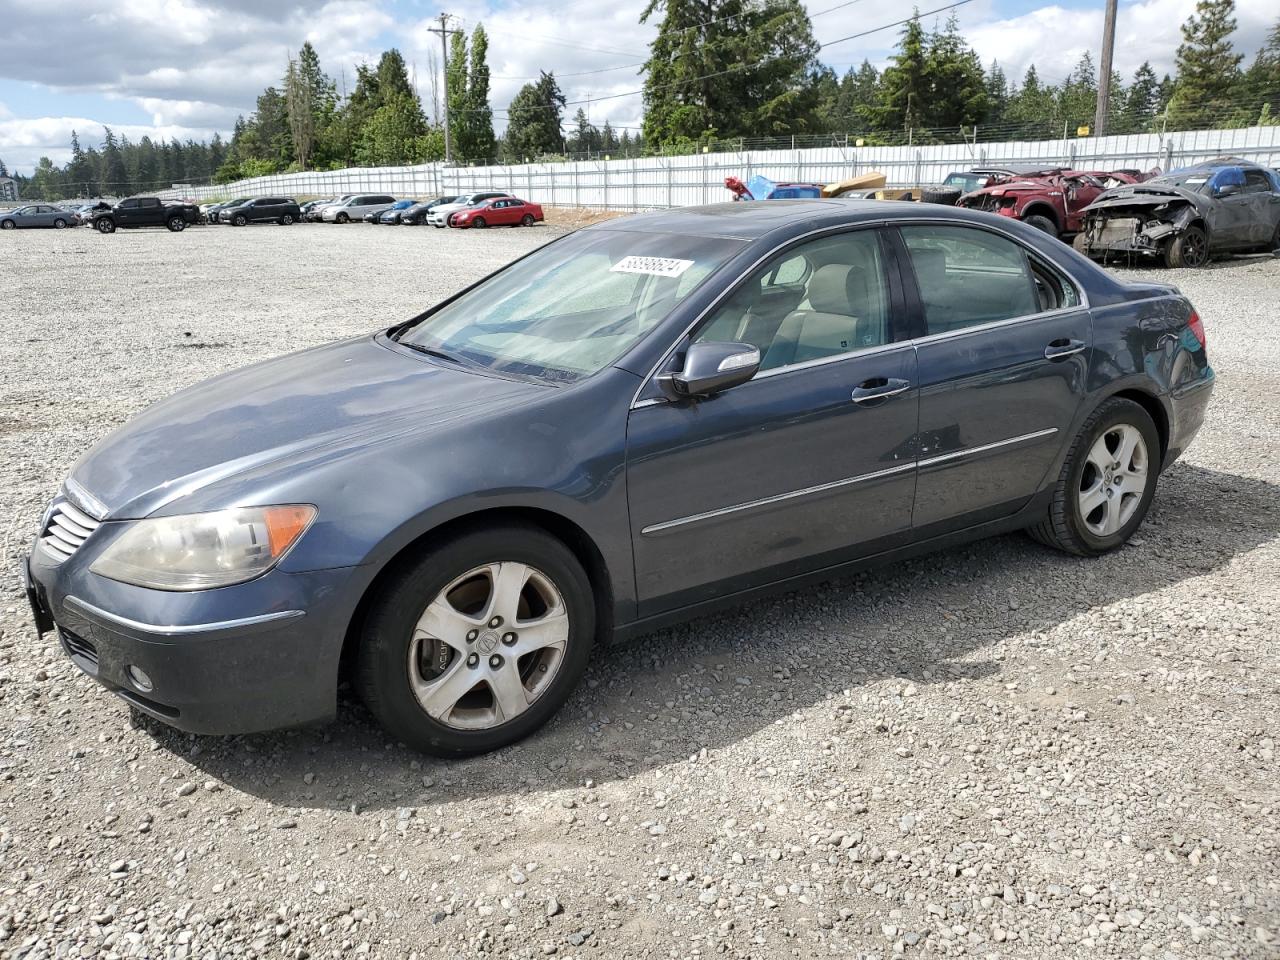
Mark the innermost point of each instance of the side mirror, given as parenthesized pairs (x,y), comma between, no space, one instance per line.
(1228,190)
(710,367)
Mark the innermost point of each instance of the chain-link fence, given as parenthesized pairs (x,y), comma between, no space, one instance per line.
(643,183)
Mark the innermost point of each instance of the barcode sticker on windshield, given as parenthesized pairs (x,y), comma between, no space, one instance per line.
(654,266)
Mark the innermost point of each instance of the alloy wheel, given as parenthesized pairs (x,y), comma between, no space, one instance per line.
(1114,480)
(488,646)
(1195,249)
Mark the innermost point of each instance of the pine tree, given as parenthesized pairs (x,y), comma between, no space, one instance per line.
(79,173)
(4,171)
(309,103)
(997,94)
(533,120)
(1262,80)
(479,116)
(114,176)
(455,94)
(1141,102)
(1208,67)
(957,86)
(904,85)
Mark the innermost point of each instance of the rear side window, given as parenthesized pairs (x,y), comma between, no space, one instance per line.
(968,277)
(1255,181)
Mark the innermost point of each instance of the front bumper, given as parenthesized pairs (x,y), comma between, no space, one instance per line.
(257,656)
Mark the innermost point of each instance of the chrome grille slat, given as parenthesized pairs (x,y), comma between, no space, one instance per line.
(67,529)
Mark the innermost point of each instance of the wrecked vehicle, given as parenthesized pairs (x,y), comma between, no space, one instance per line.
(762,188)
(1052,200)
(1186,216)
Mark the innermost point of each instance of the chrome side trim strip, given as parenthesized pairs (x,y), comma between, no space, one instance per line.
(779,498)
(970,451)
(178,630)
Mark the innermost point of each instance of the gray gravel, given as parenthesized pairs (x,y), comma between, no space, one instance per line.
(994,751)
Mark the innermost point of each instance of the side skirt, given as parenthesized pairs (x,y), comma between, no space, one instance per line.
(1031,513)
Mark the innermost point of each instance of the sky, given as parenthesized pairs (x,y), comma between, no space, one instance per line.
(187,68)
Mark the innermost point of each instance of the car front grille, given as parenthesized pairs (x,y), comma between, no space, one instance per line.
(81,650)
(67,529)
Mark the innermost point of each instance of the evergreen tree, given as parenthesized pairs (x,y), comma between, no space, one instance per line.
(479,115)
(4,171)
(904,85)
(395,134)
(79,174)
(455,94)
(533,120)
(1078,97)
(608,139)
(113,175)
(1208,68)
(309,103)
(1141,102)
(1262,80)
(1032,110)
(957,87)
(997,95)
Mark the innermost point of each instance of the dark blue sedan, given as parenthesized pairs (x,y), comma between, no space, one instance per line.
(631,425)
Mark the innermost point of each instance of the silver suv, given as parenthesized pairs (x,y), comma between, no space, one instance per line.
(355,207)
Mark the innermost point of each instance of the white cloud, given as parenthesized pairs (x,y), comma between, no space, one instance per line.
(26,140)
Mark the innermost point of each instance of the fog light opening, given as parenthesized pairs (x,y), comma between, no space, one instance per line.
(139,678)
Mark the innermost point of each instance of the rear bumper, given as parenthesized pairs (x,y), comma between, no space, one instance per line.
(1188,405)
(248,672)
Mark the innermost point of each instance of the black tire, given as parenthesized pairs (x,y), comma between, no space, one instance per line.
(286,220)
(387,636)
(528,220)
(105,225)
(341,218)
(59,224)
(1063,527)
(176,224)
(479,223)
(8,225)
(1188,249)
(239,220)
(1041,222)
(947,196)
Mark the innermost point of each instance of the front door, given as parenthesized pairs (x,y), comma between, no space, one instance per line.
(1002,360)
(808,464)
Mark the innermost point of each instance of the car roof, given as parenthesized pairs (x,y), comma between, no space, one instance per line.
(754,219)
(1217,163)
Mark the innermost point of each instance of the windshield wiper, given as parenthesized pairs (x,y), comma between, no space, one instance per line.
(437,353)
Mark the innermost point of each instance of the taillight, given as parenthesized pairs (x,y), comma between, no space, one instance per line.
(1196,328)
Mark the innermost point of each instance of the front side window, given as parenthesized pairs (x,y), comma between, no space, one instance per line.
(822,299)
(571,308)
(968,277)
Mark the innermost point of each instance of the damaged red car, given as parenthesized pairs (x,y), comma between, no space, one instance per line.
(1052,199)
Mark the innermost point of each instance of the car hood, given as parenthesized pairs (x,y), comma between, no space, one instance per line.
(1145,195)
(340,397)
(1017,186)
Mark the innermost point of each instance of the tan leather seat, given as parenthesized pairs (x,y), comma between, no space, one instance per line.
(829,325)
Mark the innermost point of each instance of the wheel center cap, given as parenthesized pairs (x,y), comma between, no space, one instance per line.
(1108,476)
(487,642)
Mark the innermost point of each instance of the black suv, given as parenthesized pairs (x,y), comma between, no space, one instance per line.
(281,210)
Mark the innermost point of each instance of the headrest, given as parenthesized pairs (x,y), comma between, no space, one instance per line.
(832,289)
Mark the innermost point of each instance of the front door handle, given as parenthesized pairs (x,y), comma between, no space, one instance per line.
(879,388)
(1062,348)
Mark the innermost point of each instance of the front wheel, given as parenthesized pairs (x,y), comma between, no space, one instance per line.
(286,220)
(59,224)
(342,218)
(177,224)
(479,223)
(1189,249)
(106,226)
(478,642)
(1106,483)
(1041,223)
(8,225)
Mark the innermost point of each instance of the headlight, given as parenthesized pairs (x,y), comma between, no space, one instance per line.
(200,551)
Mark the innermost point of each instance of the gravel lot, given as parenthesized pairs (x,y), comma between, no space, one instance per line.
(995,751)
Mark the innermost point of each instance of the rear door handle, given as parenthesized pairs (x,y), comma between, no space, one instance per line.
(879,388)
(1062,348)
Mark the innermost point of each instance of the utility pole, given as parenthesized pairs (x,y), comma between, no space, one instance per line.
(444,32)
(1104,77)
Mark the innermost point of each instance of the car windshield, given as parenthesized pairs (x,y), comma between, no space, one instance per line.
(965,181)
(1190,179)
(571,308)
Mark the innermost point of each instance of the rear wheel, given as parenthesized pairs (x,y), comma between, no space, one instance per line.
(527,220)
(478,642)
(1106,483)
(1188,249)
(1041,222)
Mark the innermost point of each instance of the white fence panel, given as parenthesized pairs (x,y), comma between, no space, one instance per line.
(653,182)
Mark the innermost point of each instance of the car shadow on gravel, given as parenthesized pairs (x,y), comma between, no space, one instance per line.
(717,680)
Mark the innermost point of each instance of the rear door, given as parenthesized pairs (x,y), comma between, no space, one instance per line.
(1264,205)
(1003,355)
